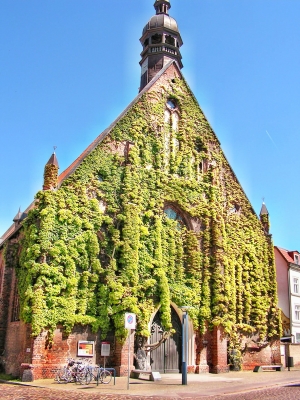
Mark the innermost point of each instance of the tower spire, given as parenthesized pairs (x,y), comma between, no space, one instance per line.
(161,42)
(264,218)
(51,172)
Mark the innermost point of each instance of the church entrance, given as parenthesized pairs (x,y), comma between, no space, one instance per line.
(167,357)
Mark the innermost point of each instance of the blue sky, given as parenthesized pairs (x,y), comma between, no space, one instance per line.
(69,67)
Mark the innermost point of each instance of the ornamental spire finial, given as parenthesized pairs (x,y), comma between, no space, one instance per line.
(162,6)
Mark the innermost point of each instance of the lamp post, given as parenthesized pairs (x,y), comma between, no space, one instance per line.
(185,338)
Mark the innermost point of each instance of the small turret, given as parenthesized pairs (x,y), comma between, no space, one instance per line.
(19,217)
(264,218)
(51,173)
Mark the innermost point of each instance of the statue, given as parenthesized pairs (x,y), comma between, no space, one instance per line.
(144,348)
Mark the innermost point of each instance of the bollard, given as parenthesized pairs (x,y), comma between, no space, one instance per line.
(290,362)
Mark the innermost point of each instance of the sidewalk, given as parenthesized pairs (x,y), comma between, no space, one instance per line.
(203,385)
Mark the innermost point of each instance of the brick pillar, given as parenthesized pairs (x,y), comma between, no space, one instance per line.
(219,352)
(202,342)
(121,355)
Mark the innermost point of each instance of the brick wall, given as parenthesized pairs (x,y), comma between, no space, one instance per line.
(15,336)
(121,356)
(294,351)
(48,357)
(18,347)
(265,355)
(218,351)
(164,80)
(6,275)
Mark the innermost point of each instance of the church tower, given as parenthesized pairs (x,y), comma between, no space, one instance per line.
(161,42)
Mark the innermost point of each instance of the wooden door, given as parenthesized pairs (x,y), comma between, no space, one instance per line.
(167,357)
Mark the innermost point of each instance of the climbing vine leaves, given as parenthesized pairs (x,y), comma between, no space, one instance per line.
(101,244)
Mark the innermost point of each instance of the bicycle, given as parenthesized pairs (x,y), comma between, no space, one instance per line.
(74,371)
(98,374)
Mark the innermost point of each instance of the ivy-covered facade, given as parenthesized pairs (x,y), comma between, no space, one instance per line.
(149,218)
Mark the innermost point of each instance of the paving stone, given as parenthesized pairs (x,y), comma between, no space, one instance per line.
(12,392)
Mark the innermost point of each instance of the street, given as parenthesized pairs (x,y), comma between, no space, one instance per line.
(20,392)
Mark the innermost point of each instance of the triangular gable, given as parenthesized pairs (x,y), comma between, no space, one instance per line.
(66,173)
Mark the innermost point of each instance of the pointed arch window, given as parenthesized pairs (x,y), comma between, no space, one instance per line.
(174,214)
(167,116)
(171,120)
(175,120)
(15,316)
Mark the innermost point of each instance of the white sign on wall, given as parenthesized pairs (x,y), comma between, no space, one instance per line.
(105,349)
(85,348)
(130,321)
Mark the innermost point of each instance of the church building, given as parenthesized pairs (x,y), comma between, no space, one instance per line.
(150,219)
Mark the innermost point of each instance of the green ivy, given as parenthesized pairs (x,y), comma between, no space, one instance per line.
(101,245)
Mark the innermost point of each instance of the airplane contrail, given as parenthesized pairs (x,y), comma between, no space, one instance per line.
(271,139)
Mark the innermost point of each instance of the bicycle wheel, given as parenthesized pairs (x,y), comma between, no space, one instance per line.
(85,377)
(105,376)
(63,376)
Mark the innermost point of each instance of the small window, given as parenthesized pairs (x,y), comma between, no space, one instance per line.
(198,145)
(297,312)
(296,285)
(171,104)
(297,337)
(296,257)
(172,214)
(146,42)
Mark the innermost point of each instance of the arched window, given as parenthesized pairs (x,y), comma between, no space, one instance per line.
(15,316)
(174,215)
(175,119)
(155,39)
(171,104)
(171,120)
(167,116)
(170,40)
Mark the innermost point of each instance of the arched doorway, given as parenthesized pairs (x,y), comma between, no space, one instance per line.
(167,357)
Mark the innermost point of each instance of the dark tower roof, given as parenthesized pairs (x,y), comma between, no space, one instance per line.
(263,210)
(161,21)
(53,160)
(162,18)
(18,216)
